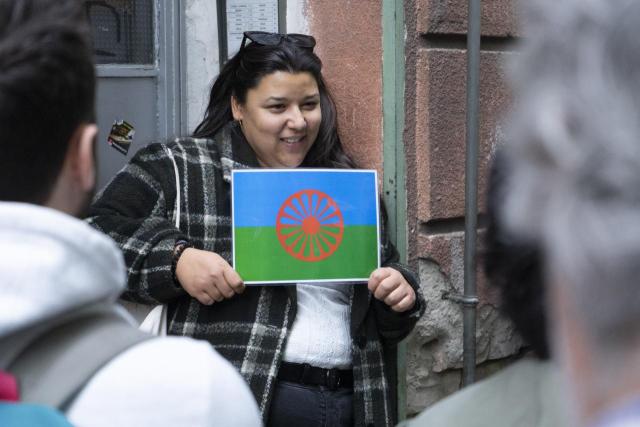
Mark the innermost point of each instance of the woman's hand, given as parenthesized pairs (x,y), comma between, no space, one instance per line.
(388,285)
(207,277)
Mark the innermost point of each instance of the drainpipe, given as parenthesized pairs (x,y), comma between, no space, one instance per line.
(469,300)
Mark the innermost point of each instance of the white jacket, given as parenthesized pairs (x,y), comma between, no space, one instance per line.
(50,264)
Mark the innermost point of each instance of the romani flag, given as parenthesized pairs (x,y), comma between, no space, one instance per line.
(305,225)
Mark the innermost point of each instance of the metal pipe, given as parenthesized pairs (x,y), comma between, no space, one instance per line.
(471,193)
(222,30)
(183,122)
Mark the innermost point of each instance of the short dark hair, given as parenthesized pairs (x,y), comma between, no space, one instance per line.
(47,85)
(245,70)
(514,267)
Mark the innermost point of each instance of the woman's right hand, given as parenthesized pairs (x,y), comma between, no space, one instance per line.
(207,277)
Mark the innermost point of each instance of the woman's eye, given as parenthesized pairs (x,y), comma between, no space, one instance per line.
(276,107)
(310,105)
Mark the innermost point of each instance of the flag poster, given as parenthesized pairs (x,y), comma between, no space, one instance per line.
(305,225)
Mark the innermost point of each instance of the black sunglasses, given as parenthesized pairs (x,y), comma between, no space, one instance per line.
(274,39)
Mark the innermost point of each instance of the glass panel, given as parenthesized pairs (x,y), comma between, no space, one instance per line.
(122,31)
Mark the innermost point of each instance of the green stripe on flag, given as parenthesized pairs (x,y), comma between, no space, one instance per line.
(260,257)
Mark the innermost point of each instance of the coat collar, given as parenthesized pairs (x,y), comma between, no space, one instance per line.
(236,153)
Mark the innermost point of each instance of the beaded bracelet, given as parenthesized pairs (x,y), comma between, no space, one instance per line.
(178,249)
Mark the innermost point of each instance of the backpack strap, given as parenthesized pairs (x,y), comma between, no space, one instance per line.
(176,219)
(55,366)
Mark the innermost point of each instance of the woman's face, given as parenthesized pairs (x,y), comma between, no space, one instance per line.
(281,118)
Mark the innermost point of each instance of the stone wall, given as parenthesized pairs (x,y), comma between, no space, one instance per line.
(435,149)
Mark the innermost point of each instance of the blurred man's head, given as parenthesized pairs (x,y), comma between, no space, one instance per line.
(575,184)
(47,85)
(513,267)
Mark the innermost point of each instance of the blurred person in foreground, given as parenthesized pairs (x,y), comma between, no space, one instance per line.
(575,189)
(525,394)
(54,266)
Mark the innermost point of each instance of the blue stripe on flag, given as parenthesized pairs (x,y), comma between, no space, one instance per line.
(353,191)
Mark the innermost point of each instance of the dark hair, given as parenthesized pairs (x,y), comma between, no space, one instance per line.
(245,70)
(47,88)
(514,267)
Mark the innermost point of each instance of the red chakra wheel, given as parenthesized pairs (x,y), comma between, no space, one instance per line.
(310,225)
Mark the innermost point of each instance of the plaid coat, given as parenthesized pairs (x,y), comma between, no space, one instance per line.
(250,330)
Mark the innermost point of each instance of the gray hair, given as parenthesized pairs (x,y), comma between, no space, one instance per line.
(574,143)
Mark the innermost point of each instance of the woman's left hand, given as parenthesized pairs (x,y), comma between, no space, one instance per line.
(388,285)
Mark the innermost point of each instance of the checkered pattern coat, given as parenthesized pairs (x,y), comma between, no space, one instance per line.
(250,330)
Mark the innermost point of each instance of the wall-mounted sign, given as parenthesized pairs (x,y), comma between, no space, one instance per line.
(249,15)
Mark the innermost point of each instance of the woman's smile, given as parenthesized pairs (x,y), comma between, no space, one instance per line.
(292,139)
(295,143)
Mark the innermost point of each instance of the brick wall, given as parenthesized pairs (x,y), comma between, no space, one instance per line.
(435,149)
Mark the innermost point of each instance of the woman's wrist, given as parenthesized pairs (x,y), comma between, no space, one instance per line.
(178,250)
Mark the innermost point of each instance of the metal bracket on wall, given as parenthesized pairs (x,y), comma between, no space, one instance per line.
(466,300)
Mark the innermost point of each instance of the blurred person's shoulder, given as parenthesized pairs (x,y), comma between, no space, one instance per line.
(526,393)
(168,381)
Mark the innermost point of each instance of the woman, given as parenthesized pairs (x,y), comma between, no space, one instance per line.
(309,353)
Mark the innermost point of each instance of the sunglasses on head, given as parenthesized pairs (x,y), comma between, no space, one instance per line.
(275,39)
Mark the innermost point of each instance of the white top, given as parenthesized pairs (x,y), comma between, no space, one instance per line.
(50,264)
(169,381)
(320,334)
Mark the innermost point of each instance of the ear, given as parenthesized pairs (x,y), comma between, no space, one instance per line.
(84,165)
(236,109)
